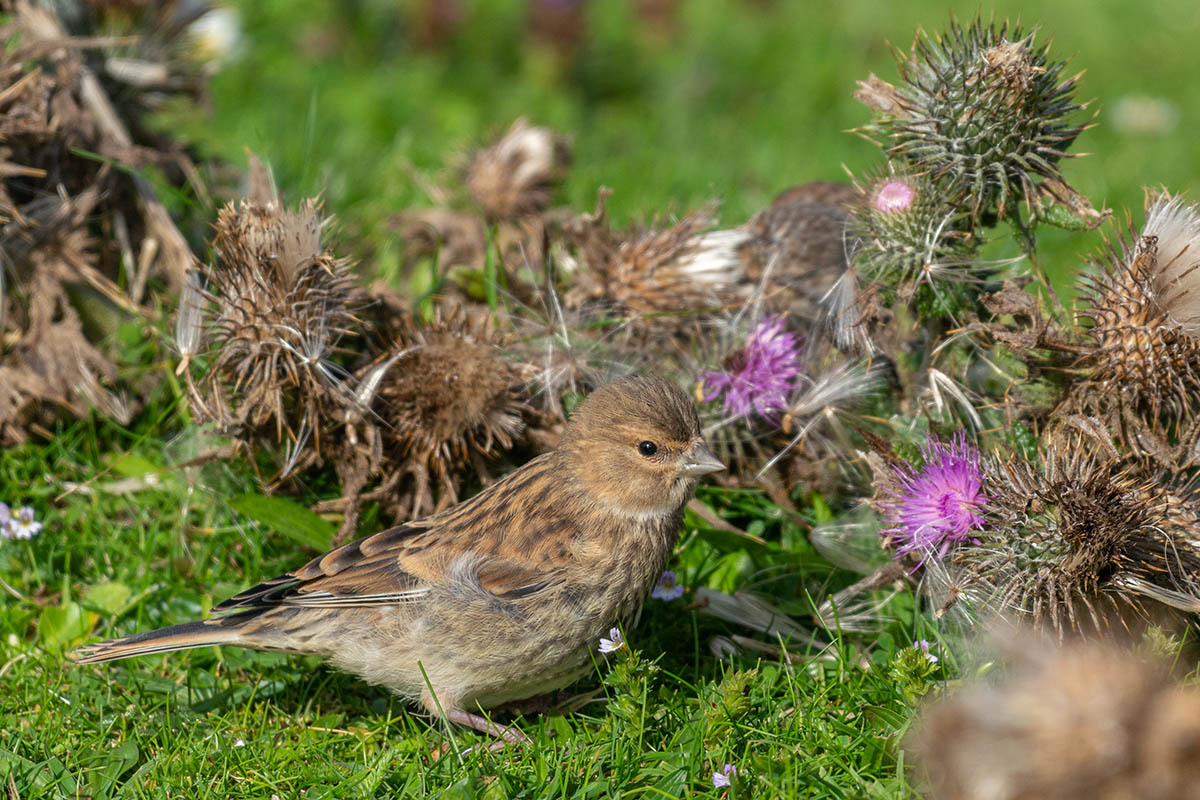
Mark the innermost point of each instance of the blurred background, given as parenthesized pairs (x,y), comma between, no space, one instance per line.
(373,103)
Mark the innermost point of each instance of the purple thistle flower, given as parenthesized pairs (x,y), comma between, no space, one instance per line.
(759,378)
(893,196)
(940,503)
(667,589)
(725,776)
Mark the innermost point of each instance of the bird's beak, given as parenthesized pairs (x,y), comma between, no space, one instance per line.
(701,461)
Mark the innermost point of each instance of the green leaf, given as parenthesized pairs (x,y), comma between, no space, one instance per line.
(129,465)
(286,517)
(43,778)
(62,625)
(821,510)
(106,765)
(109,597)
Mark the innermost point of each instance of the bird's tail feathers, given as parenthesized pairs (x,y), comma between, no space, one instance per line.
(201,633)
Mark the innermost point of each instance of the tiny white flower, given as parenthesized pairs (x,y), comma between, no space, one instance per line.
(23,525)
(613,643)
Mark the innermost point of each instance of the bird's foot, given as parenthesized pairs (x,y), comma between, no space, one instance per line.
(508,734)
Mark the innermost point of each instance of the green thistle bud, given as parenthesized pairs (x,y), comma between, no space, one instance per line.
(982,111)
(906,235)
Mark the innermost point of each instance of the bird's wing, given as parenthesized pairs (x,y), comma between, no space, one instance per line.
(503,544)
(368,572)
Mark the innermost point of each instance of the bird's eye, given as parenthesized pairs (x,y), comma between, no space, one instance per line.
(647,448)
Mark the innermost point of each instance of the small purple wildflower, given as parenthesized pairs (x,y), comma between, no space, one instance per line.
(893,196)
(759,378)
(6,519)
(667,589)
(939,504)
(923,646)
(613,643)
(725,776)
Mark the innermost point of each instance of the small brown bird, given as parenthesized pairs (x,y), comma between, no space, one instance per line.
(499,598)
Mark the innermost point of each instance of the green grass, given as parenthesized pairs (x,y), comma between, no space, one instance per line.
(743,104)
(230,723)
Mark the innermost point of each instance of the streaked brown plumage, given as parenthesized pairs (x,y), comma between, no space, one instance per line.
(501,597)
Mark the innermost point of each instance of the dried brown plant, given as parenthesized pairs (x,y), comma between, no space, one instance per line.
(278,304)
(517,175)
(452,400)
(1086,721)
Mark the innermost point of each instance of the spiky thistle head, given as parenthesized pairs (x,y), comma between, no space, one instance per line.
(517,175)
(938,504)
(278,304)
(451,400)
(906,236)
(572,350)
(1142,308)
(686,267)
(1078,542)
(985,112)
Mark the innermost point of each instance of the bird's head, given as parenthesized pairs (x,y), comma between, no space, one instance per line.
(637,448)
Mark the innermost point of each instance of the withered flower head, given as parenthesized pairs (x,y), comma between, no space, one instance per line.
(280,303)
(450,400)
(1080,542)
(686,267)
(517,175)
(796,249)
(1082,721)
(1143,307)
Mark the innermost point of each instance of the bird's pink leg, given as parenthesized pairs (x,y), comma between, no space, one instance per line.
(484,725)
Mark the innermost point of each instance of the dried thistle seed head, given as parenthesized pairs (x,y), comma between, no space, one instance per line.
(796,249)
(982,110)
(1082,543)
(686,267)
(280,305)
(458,239)
(450,401)
(1082,721)
(572,351)
(1143,307)
(831,193)
(518,174)
(818,446)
